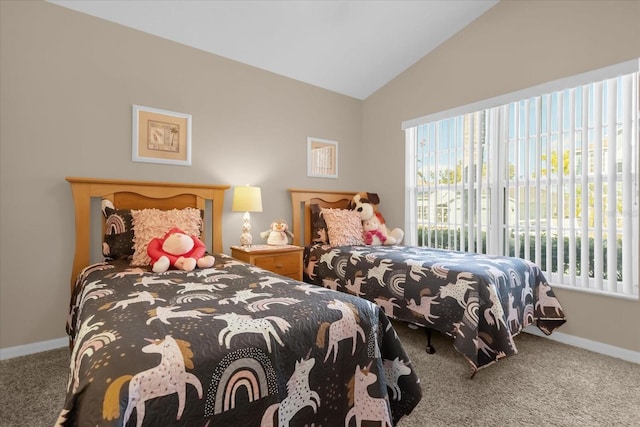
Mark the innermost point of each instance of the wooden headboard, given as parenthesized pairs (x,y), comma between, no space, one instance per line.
(139,195)
(301,200)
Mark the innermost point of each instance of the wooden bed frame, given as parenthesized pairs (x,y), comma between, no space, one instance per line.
(326,199)
(139,195)
(301,201)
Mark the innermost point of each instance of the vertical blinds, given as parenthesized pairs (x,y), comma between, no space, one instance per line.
(552,178)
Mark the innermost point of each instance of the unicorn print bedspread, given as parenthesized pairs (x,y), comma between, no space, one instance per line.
(230,345)
(481,301)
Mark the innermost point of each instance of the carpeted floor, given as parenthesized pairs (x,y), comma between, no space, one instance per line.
(33,388)
(545,384)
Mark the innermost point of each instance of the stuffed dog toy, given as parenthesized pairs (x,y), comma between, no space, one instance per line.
(179,250)
(376,231)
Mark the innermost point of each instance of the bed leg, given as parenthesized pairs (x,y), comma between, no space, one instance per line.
(430,348)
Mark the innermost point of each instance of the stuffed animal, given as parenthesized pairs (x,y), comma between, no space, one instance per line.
(179,250)
(278,234)
(366,204)
(372,234)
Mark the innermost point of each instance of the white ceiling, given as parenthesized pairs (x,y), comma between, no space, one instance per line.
(350,47)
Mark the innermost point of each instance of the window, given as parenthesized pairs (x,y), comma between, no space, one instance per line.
(551,177)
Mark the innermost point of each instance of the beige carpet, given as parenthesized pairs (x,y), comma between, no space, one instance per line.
(545,384)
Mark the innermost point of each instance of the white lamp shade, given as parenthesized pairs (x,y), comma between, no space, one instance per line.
(247,199)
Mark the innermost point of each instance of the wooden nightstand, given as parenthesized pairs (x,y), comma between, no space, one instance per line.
(283,260)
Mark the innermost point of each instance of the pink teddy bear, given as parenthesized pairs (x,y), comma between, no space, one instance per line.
(372,233)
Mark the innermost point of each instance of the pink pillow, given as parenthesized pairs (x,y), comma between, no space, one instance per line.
(344,227)
(151,223)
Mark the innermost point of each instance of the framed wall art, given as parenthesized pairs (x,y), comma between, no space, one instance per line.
(322,158)
(161,136)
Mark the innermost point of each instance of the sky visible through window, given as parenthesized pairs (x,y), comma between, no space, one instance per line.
(446,150)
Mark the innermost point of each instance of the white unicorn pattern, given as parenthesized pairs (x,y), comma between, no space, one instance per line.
(196,286)
(165,313)
(151,280)
(343,328)
(393,370)
(137,297)
(378,271)
(242,323)
(458,289)
(366,407)
(299,395)
(167,378)
(546,301)
(243,296)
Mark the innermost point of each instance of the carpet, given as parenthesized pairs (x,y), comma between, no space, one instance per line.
(546,384)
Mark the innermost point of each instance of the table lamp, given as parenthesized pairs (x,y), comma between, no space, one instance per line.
(246,199)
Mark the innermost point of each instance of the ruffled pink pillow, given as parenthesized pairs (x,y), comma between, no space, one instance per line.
(344,227)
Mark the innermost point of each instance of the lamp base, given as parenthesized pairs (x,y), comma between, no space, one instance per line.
(245,237)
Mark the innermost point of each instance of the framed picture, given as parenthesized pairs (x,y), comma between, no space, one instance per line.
(161,136)
(322,158)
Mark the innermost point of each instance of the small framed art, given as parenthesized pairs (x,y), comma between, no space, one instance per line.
(161,136)
(322,158)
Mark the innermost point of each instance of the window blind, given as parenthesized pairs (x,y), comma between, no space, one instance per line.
(552,177)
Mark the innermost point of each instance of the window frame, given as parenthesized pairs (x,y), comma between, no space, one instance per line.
(410,128)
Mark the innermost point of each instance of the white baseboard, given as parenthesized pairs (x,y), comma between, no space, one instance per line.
(36,347)
(597,347)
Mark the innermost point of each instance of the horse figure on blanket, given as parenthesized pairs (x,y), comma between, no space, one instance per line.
(134,298)
(242,323)
(366,407)
(167,378)
(393,370)
(165,313)
(343,328)
(299,395)
(546,301)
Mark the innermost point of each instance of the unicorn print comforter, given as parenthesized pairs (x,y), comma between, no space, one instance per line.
(229,345)
(481,301)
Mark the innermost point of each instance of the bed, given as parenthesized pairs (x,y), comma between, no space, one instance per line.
(480,301)
(227,345)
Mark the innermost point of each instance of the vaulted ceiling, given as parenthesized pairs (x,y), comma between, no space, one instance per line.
(350,47)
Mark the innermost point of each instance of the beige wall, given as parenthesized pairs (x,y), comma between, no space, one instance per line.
(515,45)
(68,81)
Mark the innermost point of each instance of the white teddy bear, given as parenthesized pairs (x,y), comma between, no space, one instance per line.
(278,234)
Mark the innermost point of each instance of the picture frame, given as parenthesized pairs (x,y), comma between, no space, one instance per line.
(161,136)
(322,158)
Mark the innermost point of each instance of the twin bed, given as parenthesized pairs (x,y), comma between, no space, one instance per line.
(229,345)
(481,301)
(238,345)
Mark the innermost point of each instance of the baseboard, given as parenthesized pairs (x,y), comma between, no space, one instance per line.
(597,347)
(36,347)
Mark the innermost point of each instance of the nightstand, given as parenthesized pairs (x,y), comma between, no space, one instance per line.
(283,260)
